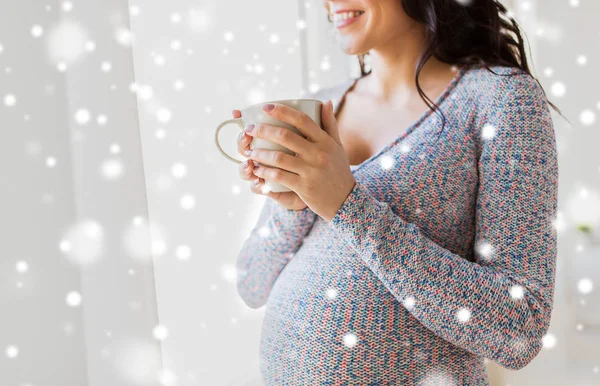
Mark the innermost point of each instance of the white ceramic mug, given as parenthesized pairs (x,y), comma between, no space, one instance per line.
(255,114)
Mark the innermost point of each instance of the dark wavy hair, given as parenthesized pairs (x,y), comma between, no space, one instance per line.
(467,32)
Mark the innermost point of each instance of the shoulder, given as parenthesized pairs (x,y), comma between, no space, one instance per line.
(503,96)
(508,102)
(503,84)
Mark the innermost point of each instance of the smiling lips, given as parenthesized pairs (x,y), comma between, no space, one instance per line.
(342,19)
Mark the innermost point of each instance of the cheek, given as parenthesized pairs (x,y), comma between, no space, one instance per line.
(385,14)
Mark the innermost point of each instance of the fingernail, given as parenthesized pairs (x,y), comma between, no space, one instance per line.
(249,127)
(248,153)
(246,164)
(268,107)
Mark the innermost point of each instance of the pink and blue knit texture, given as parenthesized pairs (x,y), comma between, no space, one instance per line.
(442,255)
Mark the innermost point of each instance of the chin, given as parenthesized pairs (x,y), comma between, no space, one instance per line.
(351,47)
(354,43)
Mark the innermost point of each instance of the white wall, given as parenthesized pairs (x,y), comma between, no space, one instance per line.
(213,337)
(107,338)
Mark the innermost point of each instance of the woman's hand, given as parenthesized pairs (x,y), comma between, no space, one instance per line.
(320,172)
(288,200)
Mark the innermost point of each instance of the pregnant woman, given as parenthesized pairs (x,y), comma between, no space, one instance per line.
(418,239)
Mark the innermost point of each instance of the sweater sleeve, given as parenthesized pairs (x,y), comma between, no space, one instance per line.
(272,242)
(276,236)
(499,306)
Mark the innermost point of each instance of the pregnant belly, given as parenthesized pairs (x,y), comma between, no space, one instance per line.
(334,321)
(330,321)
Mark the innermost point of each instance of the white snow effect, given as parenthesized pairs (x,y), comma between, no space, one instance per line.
(73,299)
(463,315)
(386,162)
(106,66)
(51,162)
(82,116)
(175,18)
(12,351)
(187,201)
(167,377)
(484,249)
(558,89)
(37,31)
(83,242)
(585,286)
(143,240)
(587,117)
(67,42)
(350,340)
(331,293)
(112,169)
(436,377)
(517,292)
(264,231)
(201,20)
(228,36)
(160,332)
(134,10)
(488,131)
(10,100)
(179,170)
(179,85)
(163,115)
(409,302)
(22,266)
(183,252)
(115,148)
(124,36)
(549,341)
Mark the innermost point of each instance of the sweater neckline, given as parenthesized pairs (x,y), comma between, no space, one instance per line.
(444,95)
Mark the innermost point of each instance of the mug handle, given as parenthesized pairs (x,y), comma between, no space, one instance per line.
(237,121)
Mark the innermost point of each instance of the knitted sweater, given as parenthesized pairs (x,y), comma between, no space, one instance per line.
(443,253)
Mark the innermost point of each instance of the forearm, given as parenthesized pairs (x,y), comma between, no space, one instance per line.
(275,238)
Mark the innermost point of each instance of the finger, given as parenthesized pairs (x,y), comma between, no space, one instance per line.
(299,119)
(243,142)
(280,176)
(329,121)
(281,136)
(245,170)
(276,159)
(258,186)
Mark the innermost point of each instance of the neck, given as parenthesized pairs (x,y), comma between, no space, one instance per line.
(393,68)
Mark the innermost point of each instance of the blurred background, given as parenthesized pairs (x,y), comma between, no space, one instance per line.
(120,221)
